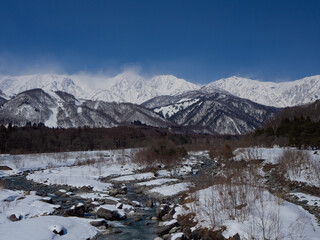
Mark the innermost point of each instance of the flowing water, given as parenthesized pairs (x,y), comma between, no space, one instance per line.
(131,229)
(137,226)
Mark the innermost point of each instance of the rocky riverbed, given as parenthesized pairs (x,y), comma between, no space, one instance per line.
(109,197)
(135,203)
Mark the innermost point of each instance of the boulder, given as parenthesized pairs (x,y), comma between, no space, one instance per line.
(117,231)
(236,237)
(109,215)
(21,198)
(119,206)
(57,229)
(47,200)
(136,204)
(76,211)
(167,217)
(99,223)
(117,191)
(137,219)
(90,206)
(86,189)
(5,168)
(109,201)
(162,210)
(14,217)
(165,229)
(149,203)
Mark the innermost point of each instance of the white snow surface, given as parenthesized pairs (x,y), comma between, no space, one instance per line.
(168,111)
(22,205)
(156,182)
(52,121)
(110,163)
(40,228)
(176,235)
(97,195)
(280,219)
(76,176)
(308,173)
(134,177)
(312,200)
(171,190)
(24,162)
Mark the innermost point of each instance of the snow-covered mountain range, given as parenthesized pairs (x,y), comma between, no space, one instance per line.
(134,88)
(282,94)
(228,106)
(60,109)
(194,111)
(125,87)
(215,112)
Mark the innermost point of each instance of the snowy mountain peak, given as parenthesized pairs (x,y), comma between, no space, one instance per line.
(281,94)
(128,86)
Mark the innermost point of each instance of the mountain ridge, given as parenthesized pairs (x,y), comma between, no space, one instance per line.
(218,112)
(215,113)
(134,88)
(60,109)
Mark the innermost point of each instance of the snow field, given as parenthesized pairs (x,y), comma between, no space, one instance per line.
(22,205)
(157,182)
(300,165)
(171,190)
(24,162)
(258,215)
(41,228)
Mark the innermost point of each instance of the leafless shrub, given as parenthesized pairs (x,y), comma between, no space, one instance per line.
(163,152)
(250,154)
(221,153)
(294,161)
(315,167)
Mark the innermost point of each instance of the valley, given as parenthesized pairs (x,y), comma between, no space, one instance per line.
(113,195)
(193,163)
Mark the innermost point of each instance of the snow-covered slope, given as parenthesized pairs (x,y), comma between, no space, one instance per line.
(130,86)
(194,111)
(281,94)
(124,87)
(60,109)
(215,112)
(12,85)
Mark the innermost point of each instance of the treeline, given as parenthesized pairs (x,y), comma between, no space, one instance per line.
(295,126)
(300,132)
(40,139)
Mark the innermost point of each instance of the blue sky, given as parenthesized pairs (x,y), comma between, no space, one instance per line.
(200,41)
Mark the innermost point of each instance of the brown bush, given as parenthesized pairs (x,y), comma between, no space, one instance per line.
(294,160)
(162,152)
(223,152)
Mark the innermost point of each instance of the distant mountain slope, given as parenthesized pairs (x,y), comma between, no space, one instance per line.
(61,109)
(12,85)
(217,112)
(132,87)
(2,100)
(125,87)
(196,111)
(136,89)
(281,94)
